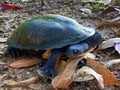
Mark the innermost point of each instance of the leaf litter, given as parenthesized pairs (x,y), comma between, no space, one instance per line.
(70,74)
(22,16)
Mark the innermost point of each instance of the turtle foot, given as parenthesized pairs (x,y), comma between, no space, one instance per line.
(47,71)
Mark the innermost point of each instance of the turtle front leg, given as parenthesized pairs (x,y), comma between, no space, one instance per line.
(49,68)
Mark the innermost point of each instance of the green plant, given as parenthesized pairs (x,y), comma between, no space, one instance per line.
(68,10)
(95,5)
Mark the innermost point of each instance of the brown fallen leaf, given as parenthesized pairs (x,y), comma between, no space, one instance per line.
(109,9)
(64,79)
(108,43)
(21,83)
(2,19)
(118,33)
(63,84)
(109,78)
(108,23)
(85,71)
(24,63)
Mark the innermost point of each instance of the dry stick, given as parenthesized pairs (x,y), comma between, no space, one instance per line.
(21,83)
(4,64)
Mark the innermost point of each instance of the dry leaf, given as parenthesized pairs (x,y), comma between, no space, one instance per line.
(115,19)
(2,19)
(61,65)
(117,47)
(3,40)
(108,43)
(9,7)
(85,78)
(86,10)
(111,62)
(109,9)
(25,0)
(21,83)
(108,23)
(61,84)
(2,48)
(85,71)
(118,33)
(90,55)
(66,77)
(24,63)
(108,77)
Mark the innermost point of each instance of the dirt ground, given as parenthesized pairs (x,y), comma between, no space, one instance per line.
(69,8)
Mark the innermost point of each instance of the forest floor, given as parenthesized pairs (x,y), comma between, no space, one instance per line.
(69,8)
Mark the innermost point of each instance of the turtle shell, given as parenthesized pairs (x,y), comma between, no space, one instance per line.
(48,32)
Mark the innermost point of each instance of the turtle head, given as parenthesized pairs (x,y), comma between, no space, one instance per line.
(77,49)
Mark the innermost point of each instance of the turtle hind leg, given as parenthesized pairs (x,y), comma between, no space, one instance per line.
(16,52)
(32,53)
(13,52)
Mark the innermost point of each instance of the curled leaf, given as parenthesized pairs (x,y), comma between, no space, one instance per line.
(90,55)
(117,47)
(111,62)
(108,43)
(85,78)
(85,71)
(64,79)
(108,77)
(24,63)
(109,9)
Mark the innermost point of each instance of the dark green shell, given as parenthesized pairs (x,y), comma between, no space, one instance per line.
(48,32)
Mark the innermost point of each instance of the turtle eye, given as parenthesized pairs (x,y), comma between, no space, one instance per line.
(75,51)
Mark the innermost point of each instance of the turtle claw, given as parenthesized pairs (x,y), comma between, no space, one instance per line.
(47,71)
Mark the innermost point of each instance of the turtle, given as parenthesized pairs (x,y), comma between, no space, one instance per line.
(54,32)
